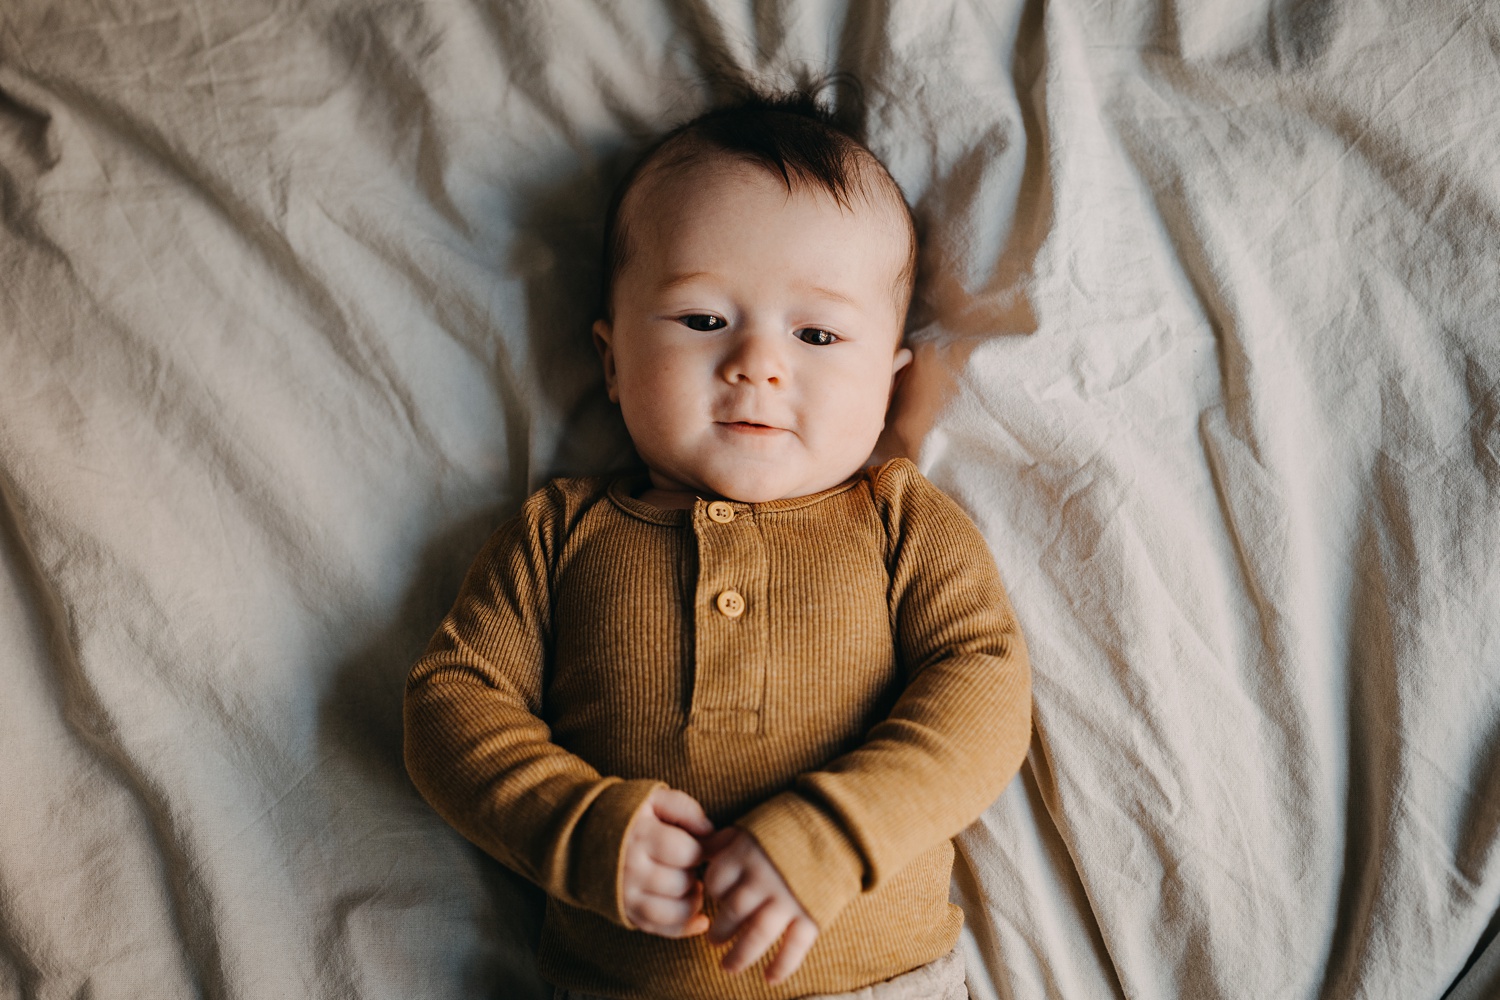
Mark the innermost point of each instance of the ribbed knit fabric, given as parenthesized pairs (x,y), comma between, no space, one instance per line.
(943,978)
(863,698)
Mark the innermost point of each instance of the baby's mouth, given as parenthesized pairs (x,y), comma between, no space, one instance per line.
(749,427)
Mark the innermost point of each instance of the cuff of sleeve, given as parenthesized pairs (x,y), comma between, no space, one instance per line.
(815,857)
(598,852)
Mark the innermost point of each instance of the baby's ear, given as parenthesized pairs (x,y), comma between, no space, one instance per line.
(603,343)
(899,366)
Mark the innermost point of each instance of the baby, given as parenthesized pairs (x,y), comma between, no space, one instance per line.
(729,711)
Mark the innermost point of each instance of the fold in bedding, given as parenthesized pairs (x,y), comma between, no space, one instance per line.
(294,309)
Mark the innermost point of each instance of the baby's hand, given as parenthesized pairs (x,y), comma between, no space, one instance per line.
(658,886)
(755,905)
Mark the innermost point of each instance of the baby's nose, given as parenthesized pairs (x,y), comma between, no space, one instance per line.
(755,357)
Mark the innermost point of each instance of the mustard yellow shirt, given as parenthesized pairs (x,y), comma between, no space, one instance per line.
(840,675)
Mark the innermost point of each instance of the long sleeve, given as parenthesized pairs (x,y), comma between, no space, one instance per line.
(866,698)
(954,738)
(475,743)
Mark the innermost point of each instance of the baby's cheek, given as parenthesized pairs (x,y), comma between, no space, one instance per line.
(664,416)
(859,408)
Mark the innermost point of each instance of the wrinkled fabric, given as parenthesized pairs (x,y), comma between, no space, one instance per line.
(294,308)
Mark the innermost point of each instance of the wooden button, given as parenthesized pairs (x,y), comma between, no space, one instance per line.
(731,604)
(721,512)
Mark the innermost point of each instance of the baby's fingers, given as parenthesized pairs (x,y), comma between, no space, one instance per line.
(734,910)
(681,809)
(756,935)
(672,918)
(671,846)
(674,883)
(723,873)
(795,945)
(719,839)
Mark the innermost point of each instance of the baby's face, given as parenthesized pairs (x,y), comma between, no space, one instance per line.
(755,335)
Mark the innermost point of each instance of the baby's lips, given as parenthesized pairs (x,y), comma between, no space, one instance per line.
(742,417)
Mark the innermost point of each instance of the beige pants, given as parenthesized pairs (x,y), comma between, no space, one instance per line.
(940,979)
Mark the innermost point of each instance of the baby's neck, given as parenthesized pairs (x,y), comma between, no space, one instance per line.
(668,499)
(669,494)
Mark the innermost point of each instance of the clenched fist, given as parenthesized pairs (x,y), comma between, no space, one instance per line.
(659,883)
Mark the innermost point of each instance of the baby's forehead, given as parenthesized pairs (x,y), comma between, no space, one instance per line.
(686,181)
(662,183)
(675,205)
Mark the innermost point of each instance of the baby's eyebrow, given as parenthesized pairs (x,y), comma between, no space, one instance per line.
(676,280)
(829,293)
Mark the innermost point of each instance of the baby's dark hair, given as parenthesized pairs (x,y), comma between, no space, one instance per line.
(791,135)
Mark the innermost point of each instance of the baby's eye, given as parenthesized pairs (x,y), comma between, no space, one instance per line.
(818,338)
(703,322)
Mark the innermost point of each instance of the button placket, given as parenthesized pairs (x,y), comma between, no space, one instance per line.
(731,627)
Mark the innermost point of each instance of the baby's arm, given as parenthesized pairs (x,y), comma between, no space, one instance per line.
(954,737)
(479,752)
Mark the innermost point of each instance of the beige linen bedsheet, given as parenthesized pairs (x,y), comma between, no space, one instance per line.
(294,300)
